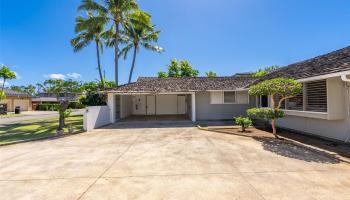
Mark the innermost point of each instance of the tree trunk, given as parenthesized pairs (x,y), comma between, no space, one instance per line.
(116,51)
(133,63)
(243,128)
(99,64)
(63,107)
(274,131)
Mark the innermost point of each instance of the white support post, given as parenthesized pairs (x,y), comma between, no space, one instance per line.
(193,106)
(111,106)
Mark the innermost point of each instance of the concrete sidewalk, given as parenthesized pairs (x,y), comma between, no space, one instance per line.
(131,162)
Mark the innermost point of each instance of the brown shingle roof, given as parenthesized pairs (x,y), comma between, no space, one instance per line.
(153,84)
(12,93)
(336,61)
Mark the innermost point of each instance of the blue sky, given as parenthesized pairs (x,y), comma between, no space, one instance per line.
(226,36)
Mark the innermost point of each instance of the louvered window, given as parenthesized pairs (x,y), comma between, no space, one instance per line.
(295,103)
(316,98)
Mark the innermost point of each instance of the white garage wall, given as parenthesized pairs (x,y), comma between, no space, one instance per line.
(166,104)
(125,106)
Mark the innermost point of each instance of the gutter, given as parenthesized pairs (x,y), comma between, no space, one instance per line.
(347,89)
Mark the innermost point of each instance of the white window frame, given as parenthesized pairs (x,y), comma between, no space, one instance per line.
(235,97)
(222,97)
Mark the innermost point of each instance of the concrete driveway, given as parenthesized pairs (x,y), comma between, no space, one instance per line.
(168,162)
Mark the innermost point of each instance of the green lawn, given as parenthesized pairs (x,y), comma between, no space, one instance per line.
(35,129)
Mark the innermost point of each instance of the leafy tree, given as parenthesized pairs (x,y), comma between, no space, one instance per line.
(162,75)
(282,87)
(90,29)
(5,74)
(139,32)
(210,74)
(113,12)
(62,88)
(92,97)
(179,69)
(265,71)
(244,122)
(29,89)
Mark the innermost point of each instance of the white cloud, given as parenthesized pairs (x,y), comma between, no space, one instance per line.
(74,75)
(55,76)
(17,75)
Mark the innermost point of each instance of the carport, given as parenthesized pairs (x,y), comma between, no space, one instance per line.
(151,106)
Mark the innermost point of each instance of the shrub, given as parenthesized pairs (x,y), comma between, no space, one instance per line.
(93,99)
(75,105)
(244,122)
(46,107)
(265,113)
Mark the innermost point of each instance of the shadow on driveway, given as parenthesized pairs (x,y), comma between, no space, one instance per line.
(294,150)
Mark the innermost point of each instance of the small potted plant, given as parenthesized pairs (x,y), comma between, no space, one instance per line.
(244,122)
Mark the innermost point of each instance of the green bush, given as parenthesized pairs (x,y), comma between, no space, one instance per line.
(265,113)
(47,107)
(76,105)
(244,122)
(93,99)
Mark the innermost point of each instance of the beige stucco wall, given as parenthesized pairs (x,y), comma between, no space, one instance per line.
(24,102)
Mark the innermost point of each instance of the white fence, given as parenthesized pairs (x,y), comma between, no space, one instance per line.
(96,116)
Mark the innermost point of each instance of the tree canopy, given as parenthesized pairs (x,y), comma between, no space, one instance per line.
(210,74)
(265,71)
(179,69)
(5,74)
(282,87)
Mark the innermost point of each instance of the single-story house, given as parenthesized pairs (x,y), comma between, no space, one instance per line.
(322,109)
(199,98)
(14,99)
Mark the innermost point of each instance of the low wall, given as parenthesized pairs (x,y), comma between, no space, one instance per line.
(96,116)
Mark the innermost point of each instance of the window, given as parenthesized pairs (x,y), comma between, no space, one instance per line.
(313,98)
(229,97)
(295,103)
(316,96)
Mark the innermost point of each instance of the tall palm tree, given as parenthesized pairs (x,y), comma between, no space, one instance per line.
(139,33)
(90,29)
(115,12)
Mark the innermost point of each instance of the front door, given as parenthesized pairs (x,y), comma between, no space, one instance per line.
(150,105)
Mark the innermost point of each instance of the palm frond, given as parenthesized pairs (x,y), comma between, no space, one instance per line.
(90,5)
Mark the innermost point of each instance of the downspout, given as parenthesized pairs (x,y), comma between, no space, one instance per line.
(347,89)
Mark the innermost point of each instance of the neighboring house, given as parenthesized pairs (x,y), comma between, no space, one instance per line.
(323,108)
(14,99)
(50,98)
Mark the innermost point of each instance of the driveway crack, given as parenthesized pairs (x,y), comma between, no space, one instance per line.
(109,167)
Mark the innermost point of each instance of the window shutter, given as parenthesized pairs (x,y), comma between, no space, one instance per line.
(316,98)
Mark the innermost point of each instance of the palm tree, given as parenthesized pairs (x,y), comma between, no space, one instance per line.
(210,74)
(115,12)
(5,74)
(90,29)
(139,33)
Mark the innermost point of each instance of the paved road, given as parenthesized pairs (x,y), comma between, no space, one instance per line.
(34,115)
(136,161)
